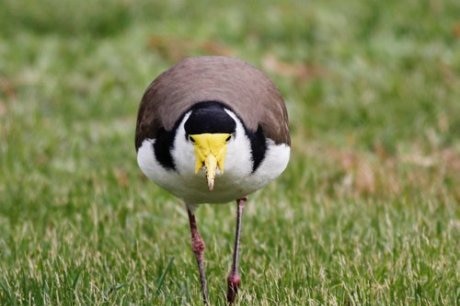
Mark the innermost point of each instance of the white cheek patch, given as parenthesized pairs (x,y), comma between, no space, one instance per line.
(183,152)
(238,162)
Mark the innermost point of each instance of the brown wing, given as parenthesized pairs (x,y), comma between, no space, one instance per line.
(240,86)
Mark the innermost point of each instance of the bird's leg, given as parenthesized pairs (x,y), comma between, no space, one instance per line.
(233,280)
(198,248)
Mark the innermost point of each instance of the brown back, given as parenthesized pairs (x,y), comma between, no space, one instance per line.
(238,85)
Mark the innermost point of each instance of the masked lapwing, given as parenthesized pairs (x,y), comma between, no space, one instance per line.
(212,130)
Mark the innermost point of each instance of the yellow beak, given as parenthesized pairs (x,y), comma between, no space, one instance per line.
(210,151)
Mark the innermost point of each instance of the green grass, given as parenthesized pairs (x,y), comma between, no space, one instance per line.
(367,213)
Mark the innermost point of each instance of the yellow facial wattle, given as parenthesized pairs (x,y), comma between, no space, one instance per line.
(210,151)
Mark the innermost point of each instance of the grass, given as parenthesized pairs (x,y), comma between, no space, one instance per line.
(367,213)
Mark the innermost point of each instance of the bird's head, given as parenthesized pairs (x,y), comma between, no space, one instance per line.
(209,128)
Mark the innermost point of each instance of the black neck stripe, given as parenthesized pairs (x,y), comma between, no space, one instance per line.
(163,146)
(258,146)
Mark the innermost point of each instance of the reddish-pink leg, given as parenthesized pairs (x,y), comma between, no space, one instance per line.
(233,280)
(198,248)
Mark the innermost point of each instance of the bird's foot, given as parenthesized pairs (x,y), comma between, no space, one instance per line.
(233,282)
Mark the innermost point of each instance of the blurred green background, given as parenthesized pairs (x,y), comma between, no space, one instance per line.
(367,212)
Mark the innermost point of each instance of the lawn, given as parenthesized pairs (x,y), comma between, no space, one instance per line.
(367,213)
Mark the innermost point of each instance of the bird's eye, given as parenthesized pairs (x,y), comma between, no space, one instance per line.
(191,139)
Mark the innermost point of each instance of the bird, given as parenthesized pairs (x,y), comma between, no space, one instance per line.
(212,129)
